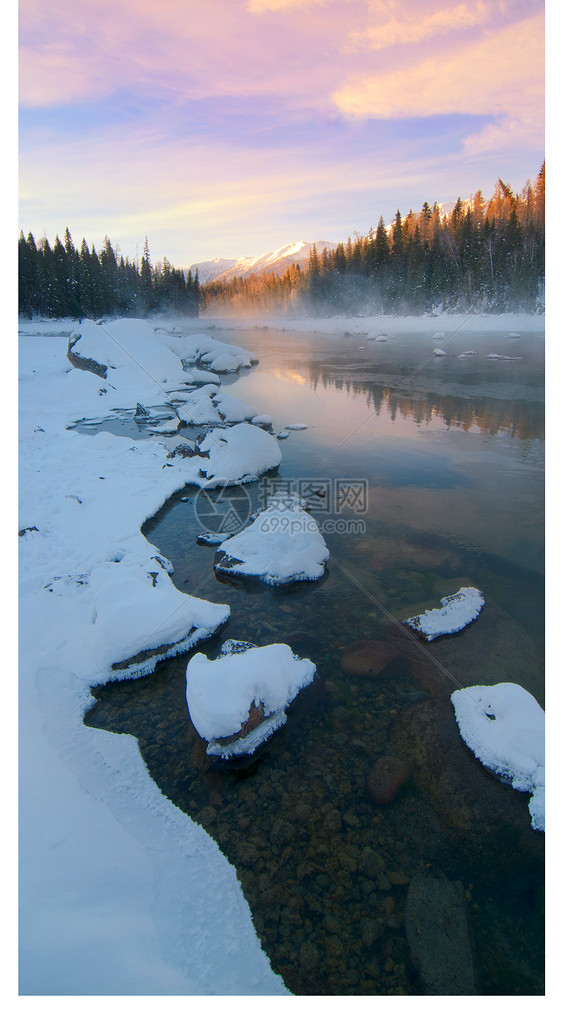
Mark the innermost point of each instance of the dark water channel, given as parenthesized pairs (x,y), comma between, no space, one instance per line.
(449,458)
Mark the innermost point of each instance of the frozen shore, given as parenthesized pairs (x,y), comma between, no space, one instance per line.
(120,892)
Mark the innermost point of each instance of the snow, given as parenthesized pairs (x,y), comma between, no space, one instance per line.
(220,693)
(202,348)
(223,363)
(120,892)
(210,538)
(125,611)
(232,409)
(209,404)
(238,454)
(203,376)
(134,358)
(282,545)
(207,270)
(262,420)
(279,259)
(296,426)
(504,726)
(166,428)
(199,409)
(456,612)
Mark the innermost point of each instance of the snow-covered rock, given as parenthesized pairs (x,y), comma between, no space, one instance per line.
(243,694)
(282,545)
(439,352)
(456,612)
(504,727)
(233,409)
(210,538)
(130,356)
(166,428)
(237,454)
(296,426)
(219,356)
(198,408)
(262,420)
(223,363)
(203,376)
(209,404)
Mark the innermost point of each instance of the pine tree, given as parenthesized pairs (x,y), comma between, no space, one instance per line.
(146,278)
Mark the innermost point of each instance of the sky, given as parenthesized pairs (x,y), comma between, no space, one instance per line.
(228,128)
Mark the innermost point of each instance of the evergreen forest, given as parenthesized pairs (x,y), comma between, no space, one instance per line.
(486,256)
(61,281)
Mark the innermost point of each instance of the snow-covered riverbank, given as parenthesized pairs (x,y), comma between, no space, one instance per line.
(120,892)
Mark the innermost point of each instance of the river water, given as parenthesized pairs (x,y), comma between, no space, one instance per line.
(425,474)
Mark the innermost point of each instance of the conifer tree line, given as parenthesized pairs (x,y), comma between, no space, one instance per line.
(61,281)
(486,256)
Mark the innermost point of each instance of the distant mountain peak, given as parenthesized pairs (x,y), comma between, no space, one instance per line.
(275,261)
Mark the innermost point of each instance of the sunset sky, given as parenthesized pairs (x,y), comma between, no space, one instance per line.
(223,128)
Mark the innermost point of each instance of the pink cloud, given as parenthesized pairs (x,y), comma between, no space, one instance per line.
(73,51)
(273,6)
(407,26)
(501,73)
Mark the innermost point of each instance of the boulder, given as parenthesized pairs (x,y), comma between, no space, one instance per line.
(237,701)
(386,779)
(367,658)
(436,926)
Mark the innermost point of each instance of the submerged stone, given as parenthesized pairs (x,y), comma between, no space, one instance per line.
(387,778)
(367,658)
(437,931)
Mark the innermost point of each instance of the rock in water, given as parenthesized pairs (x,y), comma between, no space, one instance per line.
(456,612)
(387,778)
(437,931)
(367,658)
(504,726)
(283,544)
(239,700)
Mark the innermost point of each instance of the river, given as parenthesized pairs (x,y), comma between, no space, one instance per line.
(425,473)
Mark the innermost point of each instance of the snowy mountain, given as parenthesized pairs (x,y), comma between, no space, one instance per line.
(276,261)
(447,207)
(207,270)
